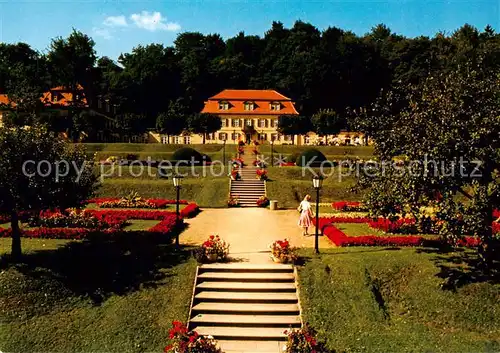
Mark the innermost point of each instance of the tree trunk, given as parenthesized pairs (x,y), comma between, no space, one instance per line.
(16,235)
(293,139)
(204,138)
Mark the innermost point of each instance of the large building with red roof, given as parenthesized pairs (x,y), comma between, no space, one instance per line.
(249,115)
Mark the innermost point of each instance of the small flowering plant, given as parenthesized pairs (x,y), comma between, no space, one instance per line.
(261,174)
(304,340)
(233,201)
(282,251)
(184,341)
(215,248)
(235,175)
(263,201)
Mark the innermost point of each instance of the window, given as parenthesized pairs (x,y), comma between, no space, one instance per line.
(54,97)
(249,122)
(211,136)
(223,105)
(274,137)
(187,140)
(235,136)
(275,106)
(222,136)
(164,139)
(176,140)
(226,123)
(262,136)
(273,123)
(248,106)
(236,122)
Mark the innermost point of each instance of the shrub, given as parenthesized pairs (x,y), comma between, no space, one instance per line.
(263,201)
(184,341)
(188,154)
(282,251)
(304,340)
(310,155)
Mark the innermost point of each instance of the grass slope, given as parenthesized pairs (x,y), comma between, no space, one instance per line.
(378,300)
(81,297)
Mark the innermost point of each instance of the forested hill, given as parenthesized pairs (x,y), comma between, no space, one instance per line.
(334,68)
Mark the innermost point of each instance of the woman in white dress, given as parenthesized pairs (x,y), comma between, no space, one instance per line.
(305,214)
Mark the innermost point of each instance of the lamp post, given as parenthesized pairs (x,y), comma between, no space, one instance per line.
(317,184)
(177,179)
(224,138)
(272,150)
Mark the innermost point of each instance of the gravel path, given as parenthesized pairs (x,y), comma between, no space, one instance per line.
(249,231)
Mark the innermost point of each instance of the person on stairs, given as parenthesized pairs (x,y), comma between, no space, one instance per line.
(305,214)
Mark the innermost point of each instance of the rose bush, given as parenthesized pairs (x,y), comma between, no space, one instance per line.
(185,341)
(282,251)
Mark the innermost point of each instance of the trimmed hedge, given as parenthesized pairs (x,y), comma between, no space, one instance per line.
(309,155)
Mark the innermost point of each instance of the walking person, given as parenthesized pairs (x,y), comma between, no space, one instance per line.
(305,214)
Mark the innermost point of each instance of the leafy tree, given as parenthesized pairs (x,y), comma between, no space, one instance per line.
(204,124)
(24,188)
(449,127)
(173,121)
(131,124)
(328,122)
(293,125)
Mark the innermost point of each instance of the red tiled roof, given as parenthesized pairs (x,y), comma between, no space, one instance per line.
(262,100)
(250,94)
(64,98)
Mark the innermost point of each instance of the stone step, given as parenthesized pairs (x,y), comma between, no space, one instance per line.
(247,188)
(248,276)
(249,197)
(249,346)
(247,286)
(245,297)
(245,308)
(243,333)
(241,320)
(247,267)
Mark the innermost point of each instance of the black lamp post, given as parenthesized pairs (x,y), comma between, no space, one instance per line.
(177,184)
(224,138)
(317,184)
(272,150)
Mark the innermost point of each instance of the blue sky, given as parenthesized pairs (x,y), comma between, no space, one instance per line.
(118,26)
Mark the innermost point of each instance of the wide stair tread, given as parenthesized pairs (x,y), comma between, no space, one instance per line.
(246,308)
(229,319)
(246,267)
(248,286)
(243,332)
(247,276)
(246,296)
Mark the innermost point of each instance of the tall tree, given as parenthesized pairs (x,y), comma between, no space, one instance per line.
(30,160)
(293,125)
(204,124)
(328,122)
(173,121)
(449,127)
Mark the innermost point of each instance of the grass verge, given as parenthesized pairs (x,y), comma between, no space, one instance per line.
(82,297)
(380,300)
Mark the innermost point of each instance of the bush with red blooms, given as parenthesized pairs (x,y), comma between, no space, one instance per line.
(185,341)
(262,201)
(282,251)
(261,174)
(75,218)
(304,340)
(349,206)
(255,151)
(241,150)
(287,164)
(237,162)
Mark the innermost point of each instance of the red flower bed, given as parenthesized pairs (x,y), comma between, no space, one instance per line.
(390,226)
(168,223)
(287,164)
(347,205)
(339,238)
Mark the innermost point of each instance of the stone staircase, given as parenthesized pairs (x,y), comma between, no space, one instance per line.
(246,307)
(248,189)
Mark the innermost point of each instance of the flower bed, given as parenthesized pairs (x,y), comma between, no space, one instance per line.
(262,201)
(151,203)
(282,251)
(261,174)
(108,221)
(339,238)
(76,219)
(185,341)
(349,206)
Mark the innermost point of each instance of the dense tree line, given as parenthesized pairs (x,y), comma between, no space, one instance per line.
(330,73)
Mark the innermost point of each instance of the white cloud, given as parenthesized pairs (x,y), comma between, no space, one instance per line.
(115,21)
(102,32)
(153,21)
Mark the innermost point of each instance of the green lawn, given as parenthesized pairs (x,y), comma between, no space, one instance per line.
(140,224)
(113,296)
(155,151)
(289,185)
(378,300)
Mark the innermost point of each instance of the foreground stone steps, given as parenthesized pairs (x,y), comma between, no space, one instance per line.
(246,307)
